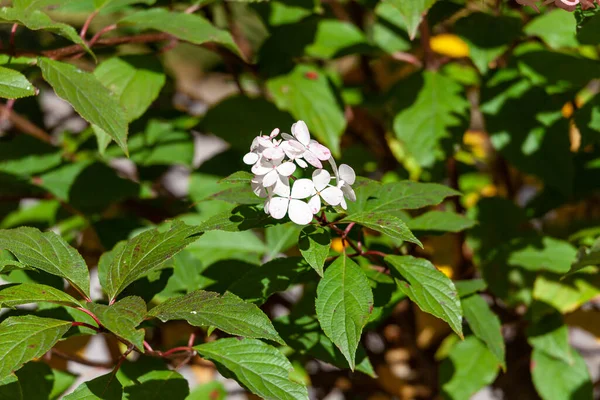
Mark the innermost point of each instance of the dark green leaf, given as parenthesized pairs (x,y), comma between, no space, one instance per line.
(240,218)
(485,325)
(557,380)
(280,238)
(587,31)
(10,388)
(104,387)
(412,11)
(122,318)
(444,221)
(314,243)
(14,85)
(385,223)
(551,336)
(25,293)
(158,385)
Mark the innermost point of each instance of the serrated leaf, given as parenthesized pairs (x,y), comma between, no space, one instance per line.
(239,218)
(385,223)
(468,287)
(25,338)
(7,266)
(256,365)
(557,380)
(104,387)
(47,252)
(443,221)
(25,293)
(95,103)
(469,367)
(314,243)
(144,254)
(14,85)
(228,313)
(551,336)
(122,318)
(412,11)
(343,305)
(306,93)
(429,288)
(485,325)
(189,27)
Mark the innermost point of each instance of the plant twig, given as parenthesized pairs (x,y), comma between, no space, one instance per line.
(77,323)
(87,23)
(91,314)
(80,360)
(25,126)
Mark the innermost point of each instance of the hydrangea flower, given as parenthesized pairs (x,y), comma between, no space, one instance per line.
(290,202)
(273,170)
(301,146)
(332,195)
(346,178)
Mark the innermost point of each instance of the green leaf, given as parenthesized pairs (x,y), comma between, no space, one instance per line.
(180,25)
(485,325)
(39,382)
(412,11)
(95,103)
(122,317)
(469,368)
(443,221)
(550,255)
(157,385)
(555,27)
(25,338)
(25,293)
(228,313)
(551,336)
(104,387)
(585,258)
(429,288)
(587,119)
(144,254)
(314,243)
(244,177)
(385,223)
(239,218)
(47,252)
(568,294)
(212,390)
(259,367)
(306,93)
(344,302)
(37,20)
(389,29)
(466,288)
(587,31)
(280,238)
(10,388)
(28,6)
(433,104)
(557,380)
(14,85)
(112,5)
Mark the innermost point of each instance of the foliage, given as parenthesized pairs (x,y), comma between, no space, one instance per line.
(171,183)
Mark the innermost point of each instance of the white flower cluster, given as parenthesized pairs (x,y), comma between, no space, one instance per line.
(273,163)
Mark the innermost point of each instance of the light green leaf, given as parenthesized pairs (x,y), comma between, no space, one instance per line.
(439,105)
(213,390)
(429,288)
(551,255)
(568,294)
(333,37)
(443,221)
(344,301)
(10,265)
(314,243)
(144,254)
(28,6)
(239,218)
(238,177)
(551,336)
(189,27)
(385,223)
(306,94)
(104,387)
(228,313)
(585,258)
(25,338)
(412,11)
(95,103)
(555,27)
(256,365)
(25,293)
(14,85)
(122,317)
(469,367)
(47,252)
(389,29)
(468,287)
(112,5)
(557,380)
(485,325)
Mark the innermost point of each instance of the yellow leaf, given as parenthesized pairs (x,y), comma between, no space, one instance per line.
(449,45)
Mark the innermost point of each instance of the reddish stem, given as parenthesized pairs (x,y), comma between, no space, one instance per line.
(192,339)
(91,314)
(148,347)
(177,350)
(11,41)
(100,33)
(348,229)
(87,23)
(76,323)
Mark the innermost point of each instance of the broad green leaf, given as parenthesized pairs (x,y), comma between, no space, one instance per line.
(385,223)
(228,313)
(239,218)
(548,254)
(47,252)
(389,29)
(104,387)
(306,93)
(256,365)
(485,325)
(95,103)
(122,318)
(587,32)
(314,243)
(14,85)
(555,27)
(412,11)
(333,38)
(568,294)
(433,104)
(157,385)
(10,388)
(344,301)
(276,13)
(162,143)
(556,380)
(37,20)
(279,238)
(179,25)
(25,338)
(143,254)
(28,6)
(585,258)
(429,288)
(469,367)
(25,293)
(135,80)
(212,390)
(468,287)
(115,4)
(7,266)
(551,336)
(39,382)
(238,177)
(444,221)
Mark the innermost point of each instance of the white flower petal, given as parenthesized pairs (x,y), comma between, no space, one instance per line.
(300,132)
(321,179)
(301,163)
(347,174)
(312,159)
(257,187)
(286,169)
(320,151)
(264,141)
(270,179)
(332,195)
(287,136)
(299,212)
(262,167)
(349,192)
(303,188)
(273,153)
(274,133)
(282,187)
(343,204)
(314,204)
(278,207)
(266,206)
(251,158)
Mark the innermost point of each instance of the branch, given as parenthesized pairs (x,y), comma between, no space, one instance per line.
(81,360)
(25,126)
